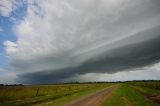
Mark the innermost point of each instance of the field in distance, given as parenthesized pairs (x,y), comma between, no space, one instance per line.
(136,93)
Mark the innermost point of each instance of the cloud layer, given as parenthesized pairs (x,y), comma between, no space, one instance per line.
(7,76)
(6,7)
(61,39)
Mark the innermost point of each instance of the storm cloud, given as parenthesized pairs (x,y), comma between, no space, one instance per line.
(59,40)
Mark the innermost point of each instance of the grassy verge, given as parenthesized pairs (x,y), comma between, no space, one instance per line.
(72,97)
(147,90)
(125,95)
(152,85)
(27,95)
(152,95)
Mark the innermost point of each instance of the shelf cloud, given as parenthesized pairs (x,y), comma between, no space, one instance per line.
(59,39)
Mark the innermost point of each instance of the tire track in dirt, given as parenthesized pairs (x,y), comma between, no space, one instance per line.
(95,99)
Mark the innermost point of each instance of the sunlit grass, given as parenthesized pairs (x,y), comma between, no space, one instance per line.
(45,93)
(125,95)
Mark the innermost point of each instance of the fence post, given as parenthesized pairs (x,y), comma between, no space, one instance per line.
(37,92)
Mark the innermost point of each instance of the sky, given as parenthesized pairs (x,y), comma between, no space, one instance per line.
(50,41)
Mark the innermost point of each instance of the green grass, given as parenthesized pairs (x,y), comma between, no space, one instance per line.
(152,94)
(72,97)
(147,90)
(22,95)
(125,95)
(152,85)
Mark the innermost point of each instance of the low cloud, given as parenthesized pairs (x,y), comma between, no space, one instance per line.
(6,7)
(146,73)
(7,77)
(59,40)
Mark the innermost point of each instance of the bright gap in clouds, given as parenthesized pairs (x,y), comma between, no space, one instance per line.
(59,39)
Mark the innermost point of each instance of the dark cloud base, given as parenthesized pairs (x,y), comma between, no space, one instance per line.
(130,56)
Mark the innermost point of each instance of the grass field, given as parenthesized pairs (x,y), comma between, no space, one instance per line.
(39,94)
(123,94)
(151,90)
(135,94)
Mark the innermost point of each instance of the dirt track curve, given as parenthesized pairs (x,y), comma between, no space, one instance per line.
(95,99)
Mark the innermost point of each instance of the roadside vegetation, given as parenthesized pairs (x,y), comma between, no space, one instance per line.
(151,90)
(125,95)
(148,84)
(132,93)
(39,94)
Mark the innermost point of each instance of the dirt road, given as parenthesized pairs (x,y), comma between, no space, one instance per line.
(95,99)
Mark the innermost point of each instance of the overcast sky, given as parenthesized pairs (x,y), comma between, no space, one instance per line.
(45,41)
